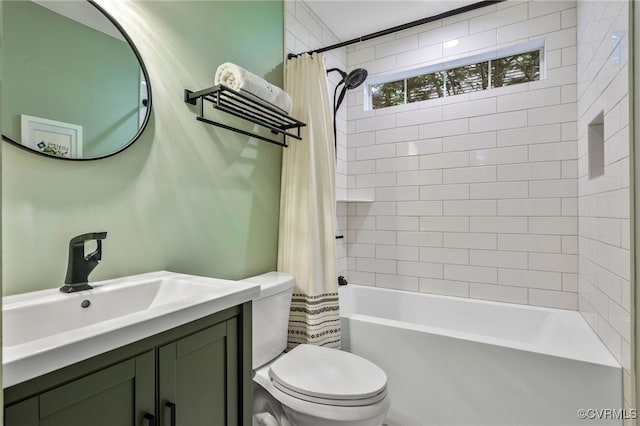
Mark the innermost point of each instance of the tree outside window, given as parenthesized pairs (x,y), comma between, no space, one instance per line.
(387,94)
(469,78)
(423,87)
(515,69)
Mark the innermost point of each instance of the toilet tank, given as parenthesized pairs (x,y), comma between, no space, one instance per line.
(270,315)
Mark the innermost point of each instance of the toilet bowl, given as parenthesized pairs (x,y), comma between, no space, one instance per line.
(309,385)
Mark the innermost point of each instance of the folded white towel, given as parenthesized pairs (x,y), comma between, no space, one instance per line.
(237,78)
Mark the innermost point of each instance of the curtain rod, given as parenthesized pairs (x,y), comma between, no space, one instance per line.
(395,29)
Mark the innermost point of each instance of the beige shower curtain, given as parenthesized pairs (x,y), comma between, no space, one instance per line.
(306,247)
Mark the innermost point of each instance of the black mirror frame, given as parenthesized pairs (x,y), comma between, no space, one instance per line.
(148,105)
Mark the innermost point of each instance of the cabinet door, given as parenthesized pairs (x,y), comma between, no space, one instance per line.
(118,395)
(198,378)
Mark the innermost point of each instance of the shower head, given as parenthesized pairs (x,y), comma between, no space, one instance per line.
(355,78)
(352,80)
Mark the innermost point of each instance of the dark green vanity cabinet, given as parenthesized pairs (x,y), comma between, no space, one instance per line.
(198,374)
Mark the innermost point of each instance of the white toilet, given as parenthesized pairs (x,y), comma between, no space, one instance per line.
(310,385)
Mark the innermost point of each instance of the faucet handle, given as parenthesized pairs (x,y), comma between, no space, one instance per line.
(77,243)
(97,254)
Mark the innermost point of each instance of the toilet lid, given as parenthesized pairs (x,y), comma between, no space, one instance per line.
(328,376)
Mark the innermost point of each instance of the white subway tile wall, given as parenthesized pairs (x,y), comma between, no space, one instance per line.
(603,205)
(486,194)
(473,193)
(304,31)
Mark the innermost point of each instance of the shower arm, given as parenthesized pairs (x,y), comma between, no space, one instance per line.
(342,73)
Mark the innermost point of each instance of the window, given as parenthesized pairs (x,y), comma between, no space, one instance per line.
(481,72)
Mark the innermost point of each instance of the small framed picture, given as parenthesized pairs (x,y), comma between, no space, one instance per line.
(52,137)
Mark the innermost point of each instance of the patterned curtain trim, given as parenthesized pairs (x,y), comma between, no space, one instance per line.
(314,320)
(320,296)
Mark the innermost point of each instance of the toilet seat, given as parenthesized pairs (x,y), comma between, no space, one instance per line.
(328,376)
(323,411)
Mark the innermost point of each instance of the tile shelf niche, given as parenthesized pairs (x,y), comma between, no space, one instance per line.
(247,107)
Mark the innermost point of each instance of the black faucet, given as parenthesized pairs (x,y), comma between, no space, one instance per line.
(80,266)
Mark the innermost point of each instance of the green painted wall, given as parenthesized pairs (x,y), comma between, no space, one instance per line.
(186,197)
(90,78)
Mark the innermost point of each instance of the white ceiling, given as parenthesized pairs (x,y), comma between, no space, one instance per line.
(349,19)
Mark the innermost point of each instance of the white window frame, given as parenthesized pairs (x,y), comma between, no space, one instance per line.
(443,66)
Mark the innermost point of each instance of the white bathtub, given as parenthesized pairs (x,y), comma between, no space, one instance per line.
(455,361)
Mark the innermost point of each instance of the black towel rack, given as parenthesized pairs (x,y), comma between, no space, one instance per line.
(248,107)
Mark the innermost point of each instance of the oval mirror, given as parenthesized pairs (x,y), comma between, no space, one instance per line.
(74,85)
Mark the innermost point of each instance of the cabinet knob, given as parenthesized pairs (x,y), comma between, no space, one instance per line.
(172,410)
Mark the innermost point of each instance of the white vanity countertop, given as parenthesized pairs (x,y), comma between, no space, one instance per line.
(47,330)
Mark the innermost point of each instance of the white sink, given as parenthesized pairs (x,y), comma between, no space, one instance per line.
(46,330)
